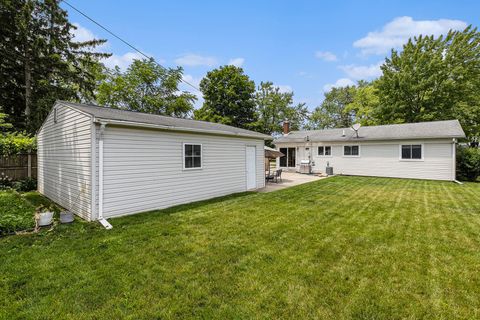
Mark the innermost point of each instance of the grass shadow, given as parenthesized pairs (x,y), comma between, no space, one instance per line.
(140,217)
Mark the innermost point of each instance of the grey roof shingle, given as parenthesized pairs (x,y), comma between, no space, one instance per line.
(168,123)
(420,130)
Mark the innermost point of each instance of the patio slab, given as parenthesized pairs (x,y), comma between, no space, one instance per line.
(290,179)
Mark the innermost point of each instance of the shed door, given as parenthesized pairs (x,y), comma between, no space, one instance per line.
(251,176)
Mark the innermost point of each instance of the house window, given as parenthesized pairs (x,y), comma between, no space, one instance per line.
(192,156)
(325,151)
(351,150)
(55,115)
(288,160)
(412,151)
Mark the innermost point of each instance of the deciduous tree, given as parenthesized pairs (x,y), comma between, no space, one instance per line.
(433,79)
(146,87)
(229,98)
(273,107)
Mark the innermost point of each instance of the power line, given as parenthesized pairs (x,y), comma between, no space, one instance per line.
(124,41)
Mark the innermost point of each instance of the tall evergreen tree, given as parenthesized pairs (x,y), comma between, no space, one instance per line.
(40,61)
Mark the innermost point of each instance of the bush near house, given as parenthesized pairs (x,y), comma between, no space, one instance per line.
(468,163)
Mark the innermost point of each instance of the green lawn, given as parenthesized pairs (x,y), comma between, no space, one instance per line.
(339,248)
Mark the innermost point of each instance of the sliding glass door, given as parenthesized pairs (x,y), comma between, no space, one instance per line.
(288,160)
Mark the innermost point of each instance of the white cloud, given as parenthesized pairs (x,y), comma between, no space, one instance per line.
(237,62)
(343,82)
(122,61)
(194,60)
(82,34)
(326,56)
(195,81)
(397,32)
(362,72)
(192,80)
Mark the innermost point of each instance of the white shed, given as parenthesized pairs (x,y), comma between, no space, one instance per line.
(101,162)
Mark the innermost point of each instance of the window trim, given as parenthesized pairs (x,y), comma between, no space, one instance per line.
(411,144)
(351,145)
(201,155)
(323,155)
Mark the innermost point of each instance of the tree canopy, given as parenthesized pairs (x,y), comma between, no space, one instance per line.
(146,87)
(433,79)
(334,111)
(273,107)
(40,62)
(229,98)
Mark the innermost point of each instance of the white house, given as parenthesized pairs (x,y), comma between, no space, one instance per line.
(424,150)
(101,162)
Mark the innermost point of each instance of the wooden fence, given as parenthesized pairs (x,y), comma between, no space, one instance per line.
(19,166)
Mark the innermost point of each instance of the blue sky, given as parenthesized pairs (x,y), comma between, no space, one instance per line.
(304,46)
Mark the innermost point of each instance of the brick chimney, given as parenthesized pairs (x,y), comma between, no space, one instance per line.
(286,127)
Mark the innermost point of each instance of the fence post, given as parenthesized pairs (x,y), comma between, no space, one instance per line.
(29,169)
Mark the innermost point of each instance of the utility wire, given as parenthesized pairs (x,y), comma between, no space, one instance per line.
(124,41)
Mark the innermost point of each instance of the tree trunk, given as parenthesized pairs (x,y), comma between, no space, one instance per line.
(28,90)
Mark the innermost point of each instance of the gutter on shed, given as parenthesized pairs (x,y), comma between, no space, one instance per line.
(101,219)
(184,129)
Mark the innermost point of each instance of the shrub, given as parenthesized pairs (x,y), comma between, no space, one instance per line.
(27,184)
(468,163)
(16,142)
(5,182)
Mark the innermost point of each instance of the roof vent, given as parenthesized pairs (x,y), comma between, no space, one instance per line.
(343,133)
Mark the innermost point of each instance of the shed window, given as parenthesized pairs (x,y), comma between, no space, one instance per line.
(192,156)
(325,151)
(412,151)
(351,150)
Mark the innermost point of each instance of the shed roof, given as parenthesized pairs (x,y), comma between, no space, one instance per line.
(419,130)
(134,118)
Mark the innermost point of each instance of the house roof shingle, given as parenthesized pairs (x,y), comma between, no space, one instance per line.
(164,122)
(405,131)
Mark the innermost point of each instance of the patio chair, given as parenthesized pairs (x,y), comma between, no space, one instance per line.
(278,175)
(269,176)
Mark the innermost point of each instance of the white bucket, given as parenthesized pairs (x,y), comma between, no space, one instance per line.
(45,218)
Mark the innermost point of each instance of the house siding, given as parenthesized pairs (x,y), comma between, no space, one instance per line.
(143,169)
(64,160)
(382,159)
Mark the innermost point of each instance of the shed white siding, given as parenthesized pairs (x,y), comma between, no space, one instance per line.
(143,168)
(382,159)
(64,159)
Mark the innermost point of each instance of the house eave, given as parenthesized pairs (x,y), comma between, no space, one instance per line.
(179,129)
(357,140)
